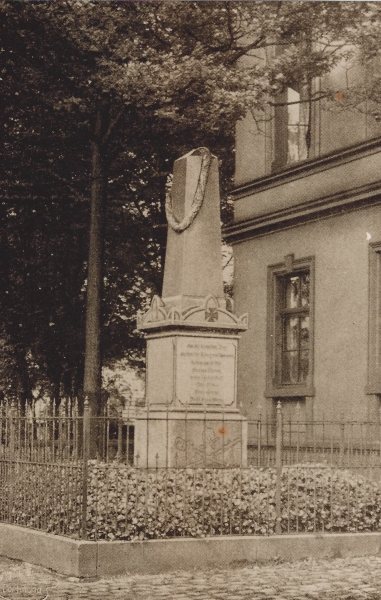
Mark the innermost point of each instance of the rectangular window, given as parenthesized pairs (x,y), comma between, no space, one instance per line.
(374,328)
(290,312)
(294,316)
(297,126)
(292,126)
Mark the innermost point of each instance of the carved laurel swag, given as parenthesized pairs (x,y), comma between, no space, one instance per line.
(198,198)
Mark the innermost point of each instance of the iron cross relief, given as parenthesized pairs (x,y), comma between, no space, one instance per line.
(211,315)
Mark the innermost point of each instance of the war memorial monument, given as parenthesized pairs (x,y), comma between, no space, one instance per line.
(191,417)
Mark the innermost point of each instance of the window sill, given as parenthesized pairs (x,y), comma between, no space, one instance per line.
(373,388)
(289,391)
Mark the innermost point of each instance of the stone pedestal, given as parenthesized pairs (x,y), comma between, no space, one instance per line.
(191,417)
(190,439)
(191,370)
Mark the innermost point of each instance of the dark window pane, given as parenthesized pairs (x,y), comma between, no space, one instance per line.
(291,333)
(304,332)
(304,364)
(305,289)
(292,285)
(290,367)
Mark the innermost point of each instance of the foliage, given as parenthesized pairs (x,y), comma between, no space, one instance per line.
(328,499)
(362,93)
(167,77)
(125,503)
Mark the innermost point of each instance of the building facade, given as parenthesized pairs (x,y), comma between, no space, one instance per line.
(307,251)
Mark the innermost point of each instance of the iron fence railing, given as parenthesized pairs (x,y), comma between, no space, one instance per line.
(286,476)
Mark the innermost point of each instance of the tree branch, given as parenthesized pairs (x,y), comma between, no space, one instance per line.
(65,181)
(244,50)
(229,21)
(112,124)
(320,97)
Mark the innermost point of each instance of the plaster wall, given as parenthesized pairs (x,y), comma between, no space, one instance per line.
(334,178)
(253,150)
(341,126)
(340,246)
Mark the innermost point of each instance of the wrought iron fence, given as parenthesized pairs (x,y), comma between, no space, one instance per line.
(147,480)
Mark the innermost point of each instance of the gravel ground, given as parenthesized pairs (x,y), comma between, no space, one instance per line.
(336,579)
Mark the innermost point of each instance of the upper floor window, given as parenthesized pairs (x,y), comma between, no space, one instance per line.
(292,127)
(297,127)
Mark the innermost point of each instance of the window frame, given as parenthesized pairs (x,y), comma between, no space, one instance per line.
(374,320)
(275,388)
(280,128)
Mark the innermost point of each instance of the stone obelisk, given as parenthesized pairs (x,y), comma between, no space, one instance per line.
(191,417)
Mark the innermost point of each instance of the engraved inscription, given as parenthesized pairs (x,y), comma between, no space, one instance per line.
(209,445)
(206,371)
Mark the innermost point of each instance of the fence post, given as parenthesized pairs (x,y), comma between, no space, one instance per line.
(297,431)
(85,458)
(278,466)
(12,427)
(379,436)
(259,434)
(342,439)
(11,459)
(119,452)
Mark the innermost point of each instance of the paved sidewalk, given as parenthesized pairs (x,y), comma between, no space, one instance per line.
(337,579)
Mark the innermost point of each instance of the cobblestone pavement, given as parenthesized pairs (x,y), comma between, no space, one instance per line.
(337,579)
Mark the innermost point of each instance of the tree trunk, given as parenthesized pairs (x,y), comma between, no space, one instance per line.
(93,365)
(24,382)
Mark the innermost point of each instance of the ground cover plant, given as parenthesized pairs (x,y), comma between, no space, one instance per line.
(125,503)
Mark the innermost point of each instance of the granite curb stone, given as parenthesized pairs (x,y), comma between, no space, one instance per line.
(336,579)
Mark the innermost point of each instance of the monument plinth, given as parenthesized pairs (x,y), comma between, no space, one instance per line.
(191,416)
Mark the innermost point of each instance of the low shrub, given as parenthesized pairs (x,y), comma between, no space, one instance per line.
(321,498)
(126,503)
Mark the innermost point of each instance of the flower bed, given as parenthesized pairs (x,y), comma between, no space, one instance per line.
(127,503)
(124,503)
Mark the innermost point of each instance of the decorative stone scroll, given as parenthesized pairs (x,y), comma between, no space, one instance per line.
(208,315)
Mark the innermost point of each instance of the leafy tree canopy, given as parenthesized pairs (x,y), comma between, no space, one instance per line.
(128,86)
